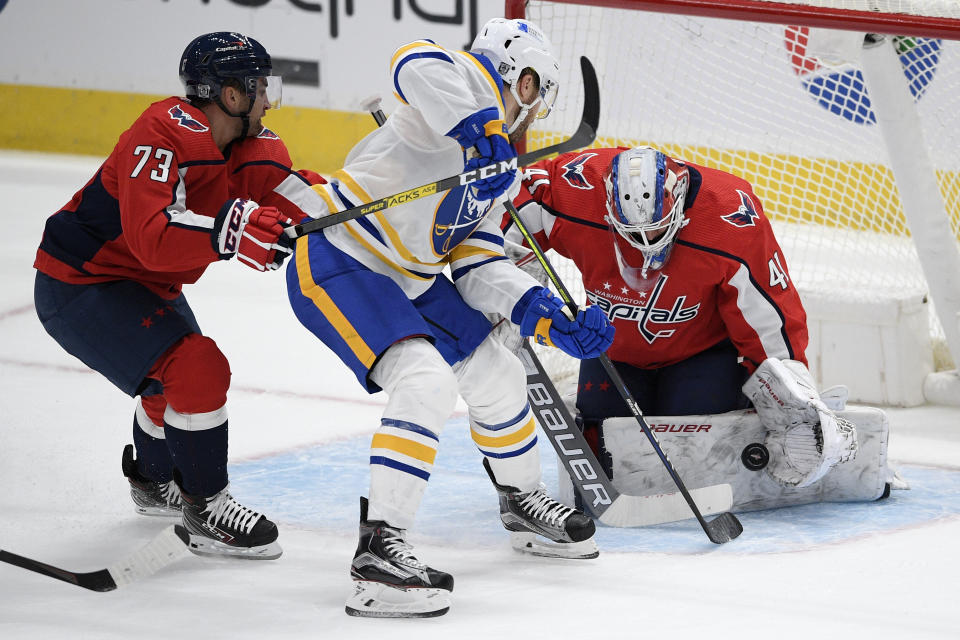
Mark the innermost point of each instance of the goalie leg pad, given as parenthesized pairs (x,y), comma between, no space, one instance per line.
(729,448)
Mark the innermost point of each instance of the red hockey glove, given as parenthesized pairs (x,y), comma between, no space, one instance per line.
(252,233)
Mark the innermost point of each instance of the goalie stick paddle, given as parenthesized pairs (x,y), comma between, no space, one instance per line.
(724,527)
(583,136)
(166,547)
(610,507)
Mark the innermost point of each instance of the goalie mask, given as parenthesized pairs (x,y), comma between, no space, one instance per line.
(513,46)
(646,191)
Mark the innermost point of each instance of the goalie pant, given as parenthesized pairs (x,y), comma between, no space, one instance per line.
(728,448)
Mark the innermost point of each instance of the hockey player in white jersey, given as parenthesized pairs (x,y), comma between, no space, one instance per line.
(373,290)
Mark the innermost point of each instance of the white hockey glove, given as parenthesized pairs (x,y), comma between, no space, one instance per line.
(805,438)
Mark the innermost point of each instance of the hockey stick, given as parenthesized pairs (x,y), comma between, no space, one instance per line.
(583,136)
(166,547)
(609,505)
(724,527)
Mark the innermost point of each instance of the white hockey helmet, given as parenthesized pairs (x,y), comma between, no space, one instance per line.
(515,45)
(646,191)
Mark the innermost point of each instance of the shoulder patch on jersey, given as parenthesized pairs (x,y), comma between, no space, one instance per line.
(267,134)
(185,120)
(573,171)
(746,214)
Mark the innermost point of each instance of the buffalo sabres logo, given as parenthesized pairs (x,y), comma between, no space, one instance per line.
(746,215)
(573,172)
(267,134)
(186,121)
(457,215)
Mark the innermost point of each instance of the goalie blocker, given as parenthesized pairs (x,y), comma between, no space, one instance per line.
(730,448)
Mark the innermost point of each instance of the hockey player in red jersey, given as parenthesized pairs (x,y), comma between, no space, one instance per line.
(684,263)
(194,180)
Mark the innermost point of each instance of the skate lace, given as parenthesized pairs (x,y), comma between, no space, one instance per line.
(171,493)
(225,509)
(541,506)
(396,546)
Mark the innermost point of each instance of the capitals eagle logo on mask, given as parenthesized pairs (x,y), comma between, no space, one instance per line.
(186,121)
(746,215)
(573,172)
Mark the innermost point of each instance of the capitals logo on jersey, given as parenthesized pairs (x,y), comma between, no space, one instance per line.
(573,171)
(746,215)
(649,315)
(186,121)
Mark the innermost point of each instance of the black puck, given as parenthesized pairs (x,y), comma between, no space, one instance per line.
(755,456)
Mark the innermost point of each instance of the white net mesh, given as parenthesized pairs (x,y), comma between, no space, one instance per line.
(752,99)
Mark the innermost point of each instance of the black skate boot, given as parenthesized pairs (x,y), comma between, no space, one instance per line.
(221,526)
(150,498)
(540,525)
(389,581)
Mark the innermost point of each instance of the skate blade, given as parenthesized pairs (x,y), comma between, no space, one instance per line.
(539,546)
(162,512)
(379,600)
(203,546)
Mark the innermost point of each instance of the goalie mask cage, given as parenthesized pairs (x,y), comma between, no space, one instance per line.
(851,141)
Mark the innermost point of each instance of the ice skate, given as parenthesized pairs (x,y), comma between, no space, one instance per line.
(221,526)
(150,498)
(389,581)
(541,526)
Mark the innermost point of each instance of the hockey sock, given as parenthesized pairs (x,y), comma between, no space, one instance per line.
(511,449)
(153,456)
(198,445)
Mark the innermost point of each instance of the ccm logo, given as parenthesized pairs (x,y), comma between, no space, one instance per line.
(680,428)
(234,225)
(550,418)
(489,170)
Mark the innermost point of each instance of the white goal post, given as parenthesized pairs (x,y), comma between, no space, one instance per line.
(852,142)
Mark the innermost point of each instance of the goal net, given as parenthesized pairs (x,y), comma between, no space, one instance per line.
(765,92)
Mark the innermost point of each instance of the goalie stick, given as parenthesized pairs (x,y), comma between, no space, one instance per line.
(724,527)
(609,506)
(583,136)
(166,547)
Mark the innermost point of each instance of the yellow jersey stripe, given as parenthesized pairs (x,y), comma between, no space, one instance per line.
(483,70)
(402,51)
(462,252)
(504,441)
(392,234)
(328,307)
(323,193)
(380,255)
(407,447)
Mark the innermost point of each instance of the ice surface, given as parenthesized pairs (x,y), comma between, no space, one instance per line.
(299,428)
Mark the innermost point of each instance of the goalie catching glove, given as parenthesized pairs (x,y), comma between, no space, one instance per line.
(805,438)
(541,314)
(486,132)
(252,233)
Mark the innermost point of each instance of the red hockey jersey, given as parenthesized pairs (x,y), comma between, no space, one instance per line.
(148,213)
(726,276)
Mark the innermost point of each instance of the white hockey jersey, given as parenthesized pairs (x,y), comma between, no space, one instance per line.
(412,243)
